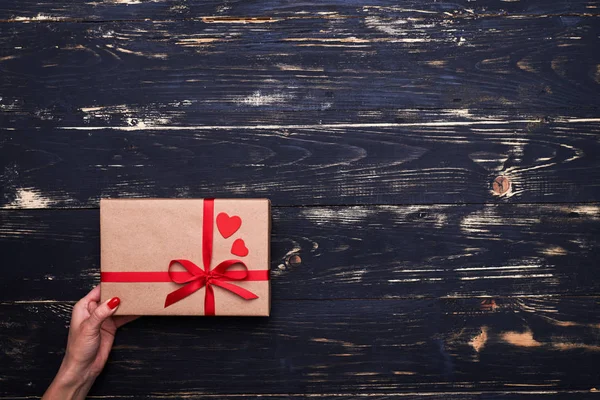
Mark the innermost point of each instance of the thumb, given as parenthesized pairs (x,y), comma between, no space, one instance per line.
(102,313)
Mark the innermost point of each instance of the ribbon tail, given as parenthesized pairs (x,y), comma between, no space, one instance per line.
(243,293)
(209,301)
(183,292)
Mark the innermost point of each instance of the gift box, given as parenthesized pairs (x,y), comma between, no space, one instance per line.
(186,257)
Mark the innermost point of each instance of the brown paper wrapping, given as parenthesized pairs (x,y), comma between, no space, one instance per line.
(146,234)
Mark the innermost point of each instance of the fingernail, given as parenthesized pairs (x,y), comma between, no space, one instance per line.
(114,302)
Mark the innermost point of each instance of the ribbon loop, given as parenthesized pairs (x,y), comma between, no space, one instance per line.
(193,271)
(235,275)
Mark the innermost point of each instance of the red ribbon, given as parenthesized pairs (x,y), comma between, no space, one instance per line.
(195,278)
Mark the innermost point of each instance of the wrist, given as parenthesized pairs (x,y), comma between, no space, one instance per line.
(74,373)
(71,381)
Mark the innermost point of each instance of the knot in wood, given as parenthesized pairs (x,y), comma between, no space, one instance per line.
(294,260)
(501,185)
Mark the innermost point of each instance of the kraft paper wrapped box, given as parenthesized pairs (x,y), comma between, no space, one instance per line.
(186,257)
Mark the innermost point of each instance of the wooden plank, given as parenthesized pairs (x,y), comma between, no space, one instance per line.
(349,252)
(491,395)
(543,344)
(191,72)
(35,10)
(318,103)
(405,163)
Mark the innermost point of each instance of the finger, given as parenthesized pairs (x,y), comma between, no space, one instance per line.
(92,305)
(122,320)
(106,342)
(93,295)
(102,313)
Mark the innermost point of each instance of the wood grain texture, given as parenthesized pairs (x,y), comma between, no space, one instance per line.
(325,347)
(488,395)
(184,72)
(35,10)
(492,395)
(545,161)
(349,252)
(378,129)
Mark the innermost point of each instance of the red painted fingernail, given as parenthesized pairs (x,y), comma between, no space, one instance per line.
(114,302)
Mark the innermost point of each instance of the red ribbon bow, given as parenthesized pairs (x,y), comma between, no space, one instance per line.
(196,278)
(199,278)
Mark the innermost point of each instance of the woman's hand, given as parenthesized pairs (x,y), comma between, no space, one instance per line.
(91,336)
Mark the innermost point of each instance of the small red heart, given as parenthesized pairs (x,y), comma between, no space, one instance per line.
(228,225)
(239,248)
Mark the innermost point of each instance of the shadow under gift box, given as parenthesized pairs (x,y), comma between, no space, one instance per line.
(140,239)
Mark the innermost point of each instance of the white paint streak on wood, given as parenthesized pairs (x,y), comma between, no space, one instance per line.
(421,270)
(326,126)
(353,275)
(144,117)
(505,267)
(437,63)
(580,120)
(489,161)
(123,2)
(478,342)
(578,153)
(161,56)
(400,28)
(336,341)
(482,221)
(516,173)
(554,251)
(434,214)
(574,346)
(258,99)
(126,1)
(332,45)
(239,20)
(104,2)
(398,9)
(521,339)
(516,276)
(338,216)
(288,67)
(537,306)
(29,198)
(458,112)
(38,18)
(414,280)
(352,40)
(195,42)
(10,104)
(394,27)
(91,109)
(590,212)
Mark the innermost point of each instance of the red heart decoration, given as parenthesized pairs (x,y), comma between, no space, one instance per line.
(228,225)
(239,248)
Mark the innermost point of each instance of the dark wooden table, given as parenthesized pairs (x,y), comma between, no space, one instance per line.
(434,168)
